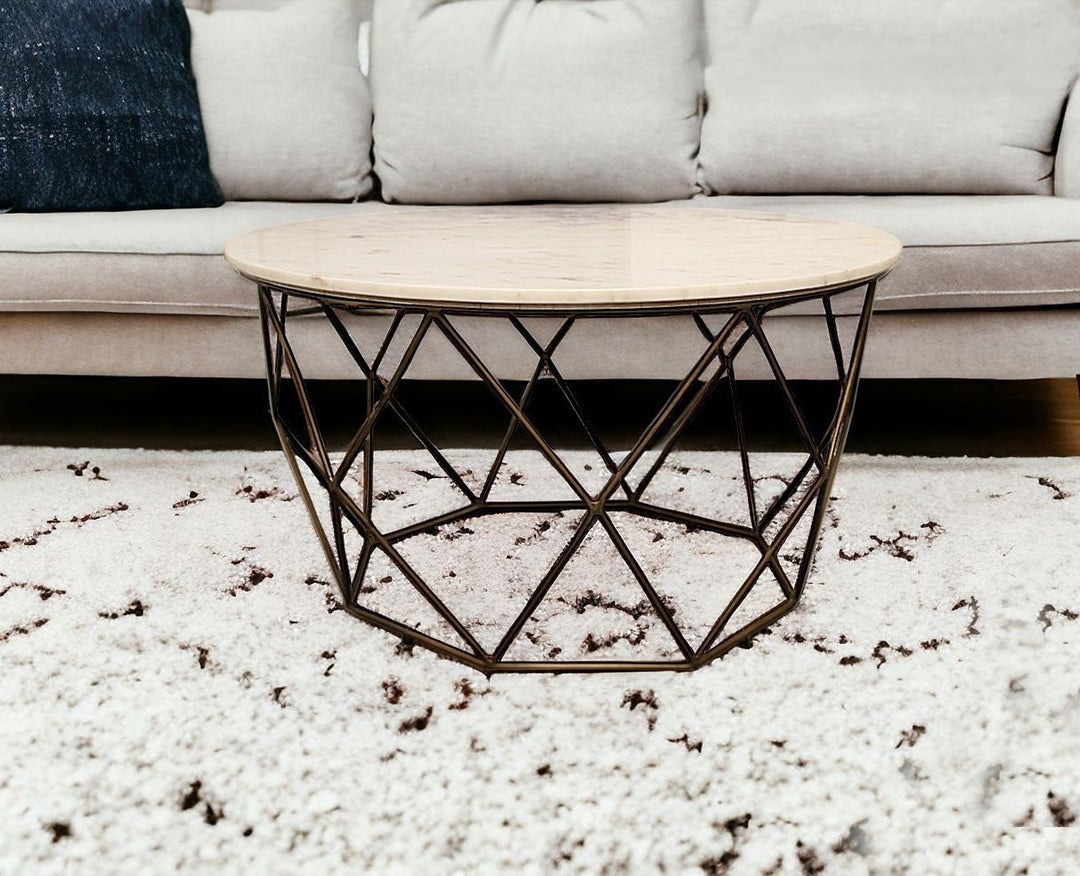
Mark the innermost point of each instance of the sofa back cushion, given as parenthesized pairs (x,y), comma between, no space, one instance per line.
(917,96)
(514,100)
(286,109)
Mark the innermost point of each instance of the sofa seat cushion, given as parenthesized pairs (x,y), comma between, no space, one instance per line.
(156,261)
(960,252)
(514,100)
(886,96)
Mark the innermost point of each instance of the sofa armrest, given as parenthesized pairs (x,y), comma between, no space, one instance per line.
(1067,160)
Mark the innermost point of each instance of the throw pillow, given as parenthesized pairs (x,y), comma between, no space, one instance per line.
(514,100)
(886,96)
(286,108)
(98,107)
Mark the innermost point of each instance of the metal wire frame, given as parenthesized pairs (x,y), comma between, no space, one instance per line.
(744,323)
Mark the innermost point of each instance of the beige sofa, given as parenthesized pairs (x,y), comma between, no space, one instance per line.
(945,122)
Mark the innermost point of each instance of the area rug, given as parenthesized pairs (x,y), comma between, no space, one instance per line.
(180,690)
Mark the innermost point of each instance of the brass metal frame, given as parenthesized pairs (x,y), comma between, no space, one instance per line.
(745,321)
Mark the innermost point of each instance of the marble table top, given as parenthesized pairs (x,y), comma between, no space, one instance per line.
(575,256)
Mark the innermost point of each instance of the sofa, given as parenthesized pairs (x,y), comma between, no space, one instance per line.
(952,124)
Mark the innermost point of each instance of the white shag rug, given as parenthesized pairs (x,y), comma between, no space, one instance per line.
(179,689)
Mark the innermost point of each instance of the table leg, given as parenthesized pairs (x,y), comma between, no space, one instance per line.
(772,529)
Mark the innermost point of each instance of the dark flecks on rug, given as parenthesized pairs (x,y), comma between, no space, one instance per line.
(78,468)
(60,830)
(647,699)
(135,608)
(898,545)
(736,827)
(254,494)
(191,499)
(910,737)
(54,523)
(465,688)
(808,859)
(194,796)
(1059,810)
(392,691)
(972,604)
(1045,613)
(1050,485)
(44,593)
(767,719)
(691,744)
(23,629)
(331,598)
(255,576)
(417,722)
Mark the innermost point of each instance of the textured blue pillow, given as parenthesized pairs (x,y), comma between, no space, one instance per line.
(98,107)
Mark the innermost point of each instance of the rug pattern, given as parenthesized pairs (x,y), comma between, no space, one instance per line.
(181,689)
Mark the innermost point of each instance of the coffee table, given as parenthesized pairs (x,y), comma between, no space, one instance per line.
(432,271)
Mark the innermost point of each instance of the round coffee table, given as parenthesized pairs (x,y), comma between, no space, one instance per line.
(434,270)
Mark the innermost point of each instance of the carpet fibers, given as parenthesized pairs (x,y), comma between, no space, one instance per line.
(180,689)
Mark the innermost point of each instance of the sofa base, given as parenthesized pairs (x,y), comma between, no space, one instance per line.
(982,344)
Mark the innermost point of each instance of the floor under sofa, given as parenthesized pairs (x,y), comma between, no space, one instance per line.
(895,417)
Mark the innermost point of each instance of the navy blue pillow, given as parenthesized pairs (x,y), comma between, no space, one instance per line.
(98,107)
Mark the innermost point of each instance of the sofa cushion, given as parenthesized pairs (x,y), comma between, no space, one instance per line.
(514,100)
(1067,158)
(286,108)
(98,108)
(962,252)
(888,96)
(155,261)
(930,220)
(161,232)
(959,251)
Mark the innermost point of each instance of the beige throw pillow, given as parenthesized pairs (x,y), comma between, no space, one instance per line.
(286,109)
(886,96)
(514,100)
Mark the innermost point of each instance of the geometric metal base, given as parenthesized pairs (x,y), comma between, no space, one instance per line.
(776,523)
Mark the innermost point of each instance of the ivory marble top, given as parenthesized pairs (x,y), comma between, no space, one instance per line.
(563,255)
